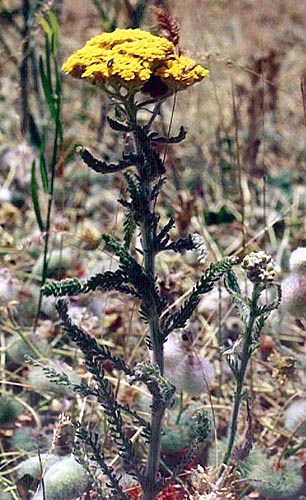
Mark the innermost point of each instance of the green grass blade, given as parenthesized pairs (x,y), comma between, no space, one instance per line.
(35,198)
(46,27)
(43,173)
(35,137)
(54,30)
(47,86)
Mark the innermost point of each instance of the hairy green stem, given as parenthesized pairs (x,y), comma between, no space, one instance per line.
(157,348)
(240,377)
(147,236)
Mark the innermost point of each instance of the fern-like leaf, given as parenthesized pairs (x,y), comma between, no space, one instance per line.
(104,281)
(203,427)
(129,227)
(180,245)
(94,355)
(160,388)
(152,166)
(102,167)
(138,204)
(162,238)
(143,284)
(91,441)
(168,140)
(274,304)
(179,318)
(118,126)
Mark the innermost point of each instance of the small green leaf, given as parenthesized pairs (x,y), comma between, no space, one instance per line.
(35,136)
(222,216)
(169,140)
(58,83)
(54,30)
(129,227)
(43,173)
(35,198)
(47,86)
(48,61)
(282,181)
(46,27)
(119,127)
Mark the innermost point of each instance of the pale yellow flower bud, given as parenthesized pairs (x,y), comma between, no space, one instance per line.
(259,267)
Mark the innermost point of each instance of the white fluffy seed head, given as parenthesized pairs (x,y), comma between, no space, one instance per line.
(297,261)
(295,417)
(198,373)
(185,369)
(7,288)
(294,295)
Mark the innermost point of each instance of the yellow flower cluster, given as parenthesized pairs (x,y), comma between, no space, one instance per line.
(135,60)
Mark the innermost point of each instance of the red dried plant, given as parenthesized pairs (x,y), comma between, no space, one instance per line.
(171,492)
(168,26)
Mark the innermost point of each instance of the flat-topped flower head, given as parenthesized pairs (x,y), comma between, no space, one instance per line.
(259,267)
(129,60)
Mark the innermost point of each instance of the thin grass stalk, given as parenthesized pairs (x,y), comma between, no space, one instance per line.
(53,165)
(24,69)
(49,209)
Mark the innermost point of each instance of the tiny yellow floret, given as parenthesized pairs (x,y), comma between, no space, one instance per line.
(133,60)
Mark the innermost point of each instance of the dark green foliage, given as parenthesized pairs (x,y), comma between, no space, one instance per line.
(129,227)
(168,140)
(200,434)
(241,302)
(94,356)
(91,442)
(148,160)
(51,83)
(157,187)
(253,317)
(136,276)
(143,284)
(102,167)
(160,388)
(110,280)
(180,245)
(130,279)
(162,238)
(274,304)
(150,165)
(222,216)
(179,318)
(35,138)
(119,127)
(10,408)
(35,198)
(138,206)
